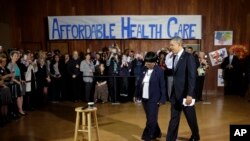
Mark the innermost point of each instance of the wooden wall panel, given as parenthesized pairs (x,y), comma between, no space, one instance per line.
(62,46)
(134,45)
(28,21)
(125,7)
(32,46)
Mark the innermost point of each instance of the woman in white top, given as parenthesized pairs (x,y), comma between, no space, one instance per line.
(151,90)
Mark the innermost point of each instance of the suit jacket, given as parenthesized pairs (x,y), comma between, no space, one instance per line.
(247,68)
(157,89)
(184,77)
(72,69)
(231,73)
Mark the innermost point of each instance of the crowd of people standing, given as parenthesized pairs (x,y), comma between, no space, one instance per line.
(31,79)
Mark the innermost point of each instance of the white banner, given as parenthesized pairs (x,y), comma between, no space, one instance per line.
(124,27)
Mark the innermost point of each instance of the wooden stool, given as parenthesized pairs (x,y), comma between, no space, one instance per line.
(86,122)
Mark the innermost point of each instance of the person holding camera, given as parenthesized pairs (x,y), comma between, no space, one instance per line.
(201,71)
(113,70)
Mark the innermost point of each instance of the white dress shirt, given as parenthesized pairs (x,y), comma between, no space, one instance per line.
(231,59)
(169,60)
(145,92)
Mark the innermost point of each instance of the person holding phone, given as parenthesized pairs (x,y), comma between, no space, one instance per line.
(202,69)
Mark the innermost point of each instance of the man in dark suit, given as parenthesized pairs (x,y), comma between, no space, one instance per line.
(231,74)
(151,89)
(73,69)
(184,76)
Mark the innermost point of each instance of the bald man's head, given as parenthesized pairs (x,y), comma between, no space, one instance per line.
(75,55)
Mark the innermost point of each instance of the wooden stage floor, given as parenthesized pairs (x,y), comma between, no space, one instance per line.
(125,122)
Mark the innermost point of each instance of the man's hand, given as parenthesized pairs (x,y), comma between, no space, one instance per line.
(189,100)
(229,66)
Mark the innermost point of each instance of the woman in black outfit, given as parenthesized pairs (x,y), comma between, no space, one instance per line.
(101,88)
(55,74)
(5,95)
(151,90)
(42,80)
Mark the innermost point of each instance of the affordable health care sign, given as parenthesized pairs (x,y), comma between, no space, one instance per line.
(124,27)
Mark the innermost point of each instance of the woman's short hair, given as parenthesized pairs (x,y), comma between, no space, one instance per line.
(150,57)
(2,55)
(14,52)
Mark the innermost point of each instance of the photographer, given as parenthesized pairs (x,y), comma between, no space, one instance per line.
(113,70)
(203,66)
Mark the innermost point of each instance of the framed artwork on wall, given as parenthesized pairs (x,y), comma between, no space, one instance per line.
(217,56)
(223,38)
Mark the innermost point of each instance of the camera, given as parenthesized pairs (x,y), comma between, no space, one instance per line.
(201,71)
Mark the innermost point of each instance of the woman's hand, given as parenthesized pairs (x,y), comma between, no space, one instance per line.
(98,84)
(48,79)
(18,82)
